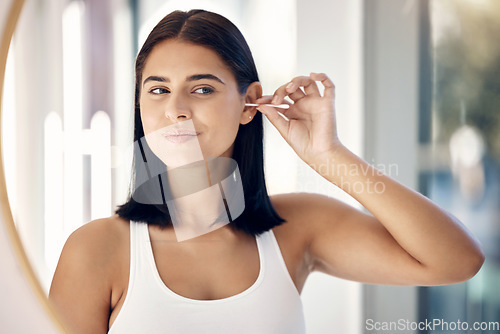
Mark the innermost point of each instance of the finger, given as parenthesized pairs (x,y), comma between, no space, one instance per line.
(267,99)
(292,89)
(264,99)
(290,113)
(296,95)
(276,119)
(310,86)
(327,83)
(280,94)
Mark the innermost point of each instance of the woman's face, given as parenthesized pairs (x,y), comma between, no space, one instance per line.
(183,81)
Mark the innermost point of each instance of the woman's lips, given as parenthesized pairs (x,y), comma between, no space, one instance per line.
(179,136)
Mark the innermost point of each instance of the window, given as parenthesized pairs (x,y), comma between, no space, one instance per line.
(460,140)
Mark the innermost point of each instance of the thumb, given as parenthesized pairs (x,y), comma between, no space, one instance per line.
(280,123)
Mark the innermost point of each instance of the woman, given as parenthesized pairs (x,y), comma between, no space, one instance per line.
(128,273)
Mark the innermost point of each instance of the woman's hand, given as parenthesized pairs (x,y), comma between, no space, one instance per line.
(311,128)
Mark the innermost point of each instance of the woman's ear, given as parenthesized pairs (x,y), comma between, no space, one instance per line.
(254,91)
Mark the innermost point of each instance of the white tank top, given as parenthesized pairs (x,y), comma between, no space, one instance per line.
(271,305)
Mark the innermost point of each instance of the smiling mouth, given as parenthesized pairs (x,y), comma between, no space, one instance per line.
(179,136)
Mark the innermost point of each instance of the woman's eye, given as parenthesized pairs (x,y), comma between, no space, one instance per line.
(204,90)
(158,91)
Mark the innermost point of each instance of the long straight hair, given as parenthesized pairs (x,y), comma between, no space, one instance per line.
(217,33)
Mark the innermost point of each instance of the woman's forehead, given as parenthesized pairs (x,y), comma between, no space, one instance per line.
(175,57)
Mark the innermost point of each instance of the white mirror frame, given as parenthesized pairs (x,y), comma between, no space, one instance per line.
(24,307)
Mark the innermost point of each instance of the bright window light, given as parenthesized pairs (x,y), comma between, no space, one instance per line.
(73,109)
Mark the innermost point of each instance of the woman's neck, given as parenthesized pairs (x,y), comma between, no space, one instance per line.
(195,199)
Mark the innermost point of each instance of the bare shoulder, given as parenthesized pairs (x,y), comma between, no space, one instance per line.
(100,246)
(91,265)
(100,236)
(95,245)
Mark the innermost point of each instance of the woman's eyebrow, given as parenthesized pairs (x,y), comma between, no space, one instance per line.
(193,77)
(155,78)
(204,76)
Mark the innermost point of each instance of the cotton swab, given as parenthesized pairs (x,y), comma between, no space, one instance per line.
(281,106)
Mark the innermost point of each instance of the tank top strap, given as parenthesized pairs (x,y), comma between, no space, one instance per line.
(274,261)
(133,253)
(141,258)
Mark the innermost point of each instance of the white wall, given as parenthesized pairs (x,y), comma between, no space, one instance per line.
(329,39)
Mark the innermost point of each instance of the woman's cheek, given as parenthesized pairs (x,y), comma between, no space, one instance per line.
(148,123)
(149,118)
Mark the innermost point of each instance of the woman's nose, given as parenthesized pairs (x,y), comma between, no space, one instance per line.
(177,109)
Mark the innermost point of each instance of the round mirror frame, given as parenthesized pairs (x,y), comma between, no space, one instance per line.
(22,267)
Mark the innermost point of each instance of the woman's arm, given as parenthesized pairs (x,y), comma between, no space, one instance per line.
(438,248)
(81,287)
(408,240)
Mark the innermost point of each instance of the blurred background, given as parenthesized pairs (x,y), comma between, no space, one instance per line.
(418,96)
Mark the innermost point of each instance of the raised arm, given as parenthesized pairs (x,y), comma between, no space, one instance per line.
(407,240)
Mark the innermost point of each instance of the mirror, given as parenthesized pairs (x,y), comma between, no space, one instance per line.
(79,55)
(18,281)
